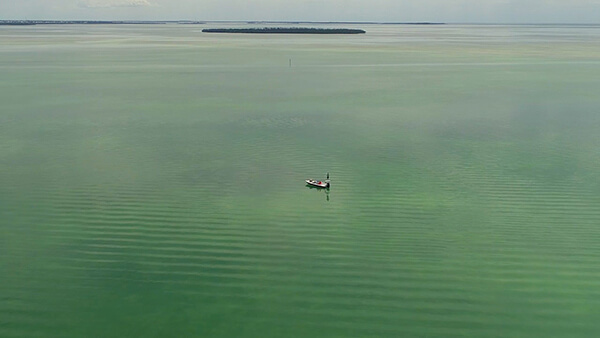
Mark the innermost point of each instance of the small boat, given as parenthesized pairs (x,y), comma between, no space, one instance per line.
(319,184)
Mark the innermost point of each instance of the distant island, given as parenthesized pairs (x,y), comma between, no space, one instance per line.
(285,30)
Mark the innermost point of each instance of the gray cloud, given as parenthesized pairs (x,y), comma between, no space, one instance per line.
(114,3)
(451,11)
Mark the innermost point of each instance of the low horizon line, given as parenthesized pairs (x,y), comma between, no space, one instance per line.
(302,21)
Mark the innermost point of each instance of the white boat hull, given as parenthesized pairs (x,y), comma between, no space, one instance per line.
(319,184)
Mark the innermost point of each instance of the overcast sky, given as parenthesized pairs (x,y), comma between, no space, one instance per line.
(451,11)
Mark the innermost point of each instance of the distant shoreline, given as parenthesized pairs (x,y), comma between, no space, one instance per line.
(188,22)
(285,30)
(17,22)
(89,22)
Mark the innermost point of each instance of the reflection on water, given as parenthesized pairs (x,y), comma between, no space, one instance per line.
(325,191)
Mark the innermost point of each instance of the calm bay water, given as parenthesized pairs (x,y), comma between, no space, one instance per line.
(151,182)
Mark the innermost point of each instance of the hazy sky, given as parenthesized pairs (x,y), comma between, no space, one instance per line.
(452,11)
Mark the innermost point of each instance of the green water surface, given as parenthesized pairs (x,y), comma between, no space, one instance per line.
(152,182)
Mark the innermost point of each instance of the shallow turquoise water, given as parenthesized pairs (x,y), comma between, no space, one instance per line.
(151,182)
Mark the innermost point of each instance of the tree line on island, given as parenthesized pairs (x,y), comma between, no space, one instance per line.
(285,30)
